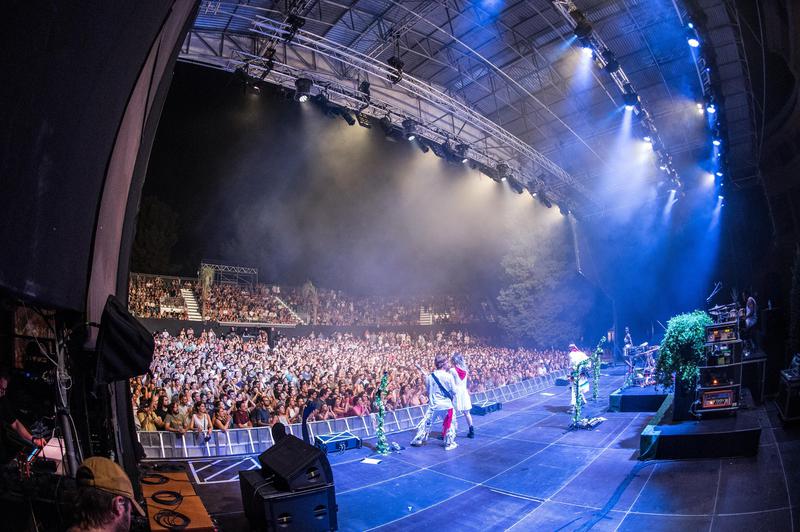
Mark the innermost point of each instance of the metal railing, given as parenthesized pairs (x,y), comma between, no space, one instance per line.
(165,445)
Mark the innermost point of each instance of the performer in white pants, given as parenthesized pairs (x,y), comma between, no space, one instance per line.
(462,402)
(576,357)
(440,405)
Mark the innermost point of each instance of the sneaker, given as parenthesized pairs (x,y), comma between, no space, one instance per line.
(471,433)
(417,443)
(451,446)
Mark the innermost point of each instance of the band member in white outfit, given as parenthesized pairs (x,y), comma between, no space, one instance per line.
(441,388)
(462,402)
(576,357)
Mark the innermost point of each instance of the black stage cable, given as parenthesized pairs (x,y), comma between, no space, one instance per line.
(154,479)
(167,497)
(171,520)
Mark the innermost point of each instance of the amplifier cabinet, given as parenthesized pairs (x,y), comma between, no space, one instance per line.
(788,400)
(270,509)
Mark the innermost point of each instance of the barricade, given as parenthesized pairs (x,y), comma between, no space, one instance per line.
(163,445)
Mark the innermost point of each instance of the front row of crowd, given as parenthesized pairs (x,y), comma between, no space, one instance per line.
(208,381)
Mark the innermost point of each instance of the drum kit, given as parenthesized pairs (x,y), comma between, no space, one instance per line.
(726,313)
(641,362)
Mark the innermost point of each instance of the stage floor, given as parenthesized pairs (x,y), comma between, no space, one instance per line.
(525,471)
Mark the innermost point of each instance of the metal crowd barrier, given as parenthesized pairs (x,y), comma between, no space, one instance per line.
(169,445)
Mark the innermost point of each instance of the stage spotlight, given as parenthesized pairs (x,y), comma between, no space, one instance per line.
(515,185)
(396,69)
(587,50)
(295,23)
(544,200)
(462,150)
(711,108)
(719,174)
(691,38)
(302,89)
(583,28)
(716,141)
(612,65)
(422,144)
(630,97)
(364,120)
(563,210)
(347,116)
(409,129)
(363,88)
(387,127)
(721,197)
(648,139)
(438,149)
(502,171)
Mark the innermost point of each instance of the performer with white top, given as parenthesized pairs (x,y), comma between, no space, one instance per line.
(462,402)
(441,388)
(576,357)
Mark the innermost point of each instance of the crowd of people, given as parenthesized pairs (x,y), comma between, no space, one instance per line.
(237,303)
(210,381)
(152,296)
(334,307)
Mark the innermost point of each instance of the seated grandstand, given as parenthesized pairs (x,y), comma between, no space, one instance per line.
(157,296)
(154,296)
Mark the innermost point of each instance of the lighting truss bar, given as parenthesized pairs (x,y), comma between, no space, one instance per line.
(380,106)
(618,76)
(410,98)
(224,268)
(417,87)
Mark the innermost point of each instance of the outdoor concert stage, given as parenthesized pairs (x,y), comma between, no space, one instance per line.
(525,471)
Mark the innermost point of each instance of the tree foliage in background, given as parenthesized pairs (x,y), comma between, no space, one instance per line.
(683,348)
(545,301)
(794,307)
(156,235)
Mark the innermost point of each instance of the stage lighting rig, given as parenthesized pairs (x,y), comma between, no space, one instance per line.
(294,22)
(422,144)
(583,28)
(544,200)
(462,151)
(302,89)
(363,120)
(612,65)
(346,115)
(630,97)
(396,71)
(503,172)
(691,36)
(514,184)
(438,149)
(409,129)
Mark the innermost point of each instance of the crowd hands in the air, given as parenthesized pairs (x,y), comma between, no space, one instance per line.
(205,382)
(157,297)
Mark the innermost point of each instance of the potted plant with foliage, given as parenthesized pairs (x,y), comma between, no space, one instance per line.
(682,352)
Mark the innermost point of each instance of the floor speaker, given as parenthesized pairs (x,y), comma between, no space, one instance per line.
(268,508)
(296,465)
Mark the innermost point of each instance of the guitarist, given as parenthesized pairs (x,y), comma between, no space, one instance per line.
(441,388)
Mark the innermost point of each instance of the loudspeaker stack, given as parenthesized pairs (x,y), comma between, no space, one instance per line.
(293,490)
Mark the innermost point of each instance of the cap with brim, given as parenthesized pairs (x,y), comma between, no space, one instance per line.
(103,474)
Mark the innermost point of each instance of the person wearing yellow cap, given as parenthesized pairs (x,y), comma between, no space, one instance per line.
(105,497)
